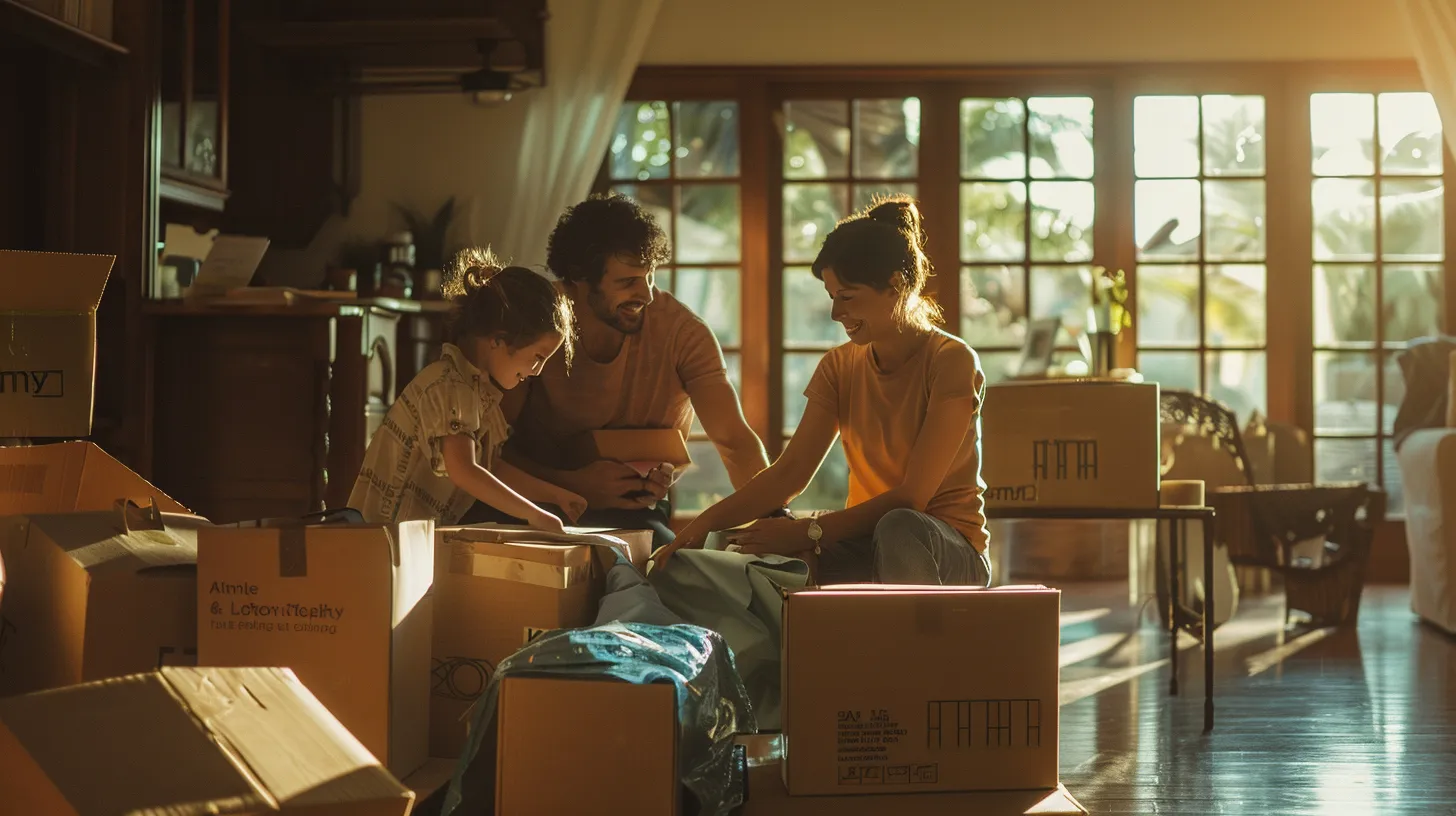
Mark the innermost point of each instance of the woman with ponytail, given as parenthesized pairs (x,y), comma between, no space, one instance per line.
(906,399)
(437,452)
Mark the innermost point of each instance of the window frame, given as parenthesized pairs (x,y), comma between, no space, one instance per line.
(761,91)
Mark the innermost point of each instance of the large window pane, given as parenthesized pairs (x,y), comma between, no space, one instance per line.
(1345,460)
(713,294)
(1344,304)
(1165,136)
(993,221)
(1239,379)
(1170,369)
(642,144)
(1344,219)
(1061,220)
(1414,296)
(704,483)
(1390,473)
(830,488)
(1167,304)
(798,370)
(1234,299)
(865,195)
(1167,218)
(807,321)
(1345,393)
(1394,390)
(816,139)
(1342,133)
(1064,292)
(887,138)
(1233,135)
(993,306)
(1060,130)
(1410,134)
(993,138)
(810,212)
(1234,220)
(706,139)
(708,223)
(656,199)
(1412,220)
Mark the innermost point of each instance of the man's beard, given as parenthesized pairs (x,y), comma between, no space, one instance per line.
(616,318)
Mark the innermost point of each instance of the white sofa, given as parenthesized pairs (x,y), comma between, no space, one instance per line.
(1428,469)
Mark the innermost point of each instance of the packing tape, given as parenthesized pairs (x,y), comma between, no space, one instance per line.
(551,576)
(292,552)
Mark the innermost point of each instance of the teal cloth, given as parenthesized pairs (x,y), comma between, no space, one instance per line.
(741,597)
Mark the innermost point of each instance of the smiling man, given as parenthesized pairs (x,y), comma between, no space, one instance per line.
(644,361)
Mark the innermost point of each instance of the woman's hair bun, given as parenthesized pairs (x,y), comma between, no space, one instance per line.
(901,213)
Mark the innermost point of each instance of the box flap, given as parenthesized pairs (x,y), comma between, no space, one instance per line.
(53,281)
(116,746)
(196,741)
(282,737)
(101,544)
(71,476)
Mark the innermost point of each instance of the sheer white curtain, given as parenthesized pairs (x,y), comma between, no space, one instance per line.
(592,49)
(1432,25)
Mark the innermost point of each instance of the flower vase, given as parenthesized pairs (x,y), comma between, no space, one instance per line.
(1102,341)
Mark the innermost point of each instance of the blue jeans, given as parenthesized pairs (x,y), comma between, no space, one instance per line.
(908,547)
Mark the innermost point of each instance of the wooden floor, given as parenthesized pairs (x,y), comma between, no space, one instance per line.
(1348,722)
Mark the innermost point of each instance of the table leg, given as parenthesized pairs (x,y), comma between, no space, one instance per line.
(1208,619)
(1175,593)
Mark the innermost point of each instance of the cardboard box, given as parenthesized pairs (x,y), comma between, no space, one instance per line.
(48,362)
(221,741)
(1071,444)
(492,598)
(585,746)
(642,448)
(94,595)
(346,607)
(910,689)
(71,476)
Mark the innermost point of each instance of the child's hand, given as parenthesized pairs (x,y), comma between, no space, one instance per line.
(571,504)
(542,520)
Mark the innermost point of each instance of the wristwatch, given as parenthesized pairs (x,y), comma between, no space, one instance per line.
(815,534)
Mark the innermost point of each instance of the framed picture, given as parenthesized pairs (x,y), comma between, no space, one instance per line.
(1041,343)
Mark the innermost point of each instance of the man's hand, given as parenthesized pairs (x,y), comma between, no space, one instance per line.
(775,536)
(612,485)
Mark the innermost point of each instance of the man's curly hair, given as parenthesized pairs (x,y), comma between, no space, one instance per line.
(603,227)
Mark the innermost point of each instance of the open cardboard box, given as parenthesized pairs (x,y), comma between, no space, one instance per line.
(220,741)
(497,589)
(96,594)
(347,607)
(48,362)
(70,476)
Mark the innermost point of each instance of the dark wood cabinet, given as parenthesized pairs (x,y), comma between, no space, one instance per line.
(194,102)
(266,412)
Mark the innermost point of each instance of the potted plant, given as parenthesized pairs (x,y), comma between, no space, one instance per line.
(1107,316)
(429,238)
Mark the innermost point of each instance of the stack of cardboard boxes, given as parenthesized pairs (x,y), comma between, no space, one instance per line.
(149,659)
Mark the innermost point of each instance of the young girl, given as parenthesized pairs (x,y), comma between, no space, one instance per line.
(437,452)
(906,398)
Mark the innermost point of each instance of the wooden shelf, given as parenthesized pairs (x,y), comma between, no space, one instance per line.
(182,191)
(58,36)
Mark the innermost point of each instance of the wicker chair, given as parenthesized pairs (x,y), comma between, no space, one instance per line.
(1271,527)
